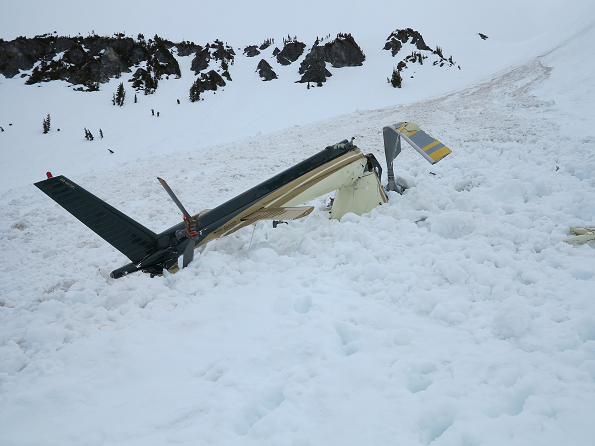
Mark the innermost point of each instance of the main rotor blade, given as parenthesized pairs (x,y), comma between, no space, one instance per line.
(188,252)
(174,198)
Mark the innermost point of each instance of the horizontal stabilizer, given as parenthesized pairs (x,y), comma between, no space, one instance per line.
(288,213)
(126,235)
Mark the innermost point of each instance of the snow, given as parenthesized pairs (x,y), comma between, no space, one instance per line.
(452,315)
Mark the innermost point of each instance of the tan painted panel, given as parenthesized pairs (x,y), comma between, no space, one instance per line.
(359,197)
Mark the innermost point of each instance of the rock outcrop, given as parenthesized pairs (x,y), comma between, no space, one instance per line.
(397,38)
(86,61)
(93,60)
(292,50)
(341,52)
(251,51)
(265,71)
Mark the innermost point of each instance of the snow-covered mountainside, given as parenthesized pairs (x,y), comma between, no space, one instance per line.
(452,315)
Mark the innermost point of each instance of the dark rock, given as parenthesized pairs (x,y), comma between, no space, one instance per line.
(265,71)
(76,55)
(187,48)
(212,80)
(137,56)
(89,61)
(163,62)
(201,60)
(341,52)
(483,36)
(398,37)
(344,52)
(394,46)
(290,52)
(21,54)
(218,51)
(251,51)
(63,44)
(110,65)
(209,81)
(222,52)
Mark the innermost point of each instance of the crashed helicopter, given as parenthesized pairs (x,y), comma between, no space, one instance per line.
(341,167)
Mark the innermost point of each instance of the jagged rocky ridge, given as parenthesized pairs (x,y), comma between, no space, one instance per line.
(93,60)
(394,44)
(87,62)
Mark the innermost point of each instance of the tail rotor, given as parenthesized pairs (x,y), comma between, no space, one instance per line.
(191,224)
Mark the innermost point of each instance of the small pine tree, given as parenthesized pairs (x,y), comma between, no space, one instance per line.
(46,124)
(135,98)
(90,136)
(101,133)
(120,95)
(86,134)
(396,78)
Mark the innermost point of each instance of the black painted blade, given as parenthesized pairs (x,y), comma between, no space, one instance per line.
(174,198)
(188,252)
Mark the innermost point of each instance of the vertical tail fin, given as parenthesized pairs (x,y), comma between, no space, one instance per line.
(126,235)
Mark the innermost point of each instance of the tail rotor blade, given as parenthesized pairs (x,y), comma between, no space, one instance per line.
(174,198)
(190,222)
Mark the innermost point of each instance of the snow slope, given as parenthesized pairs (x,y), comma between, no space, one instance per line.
(453,315)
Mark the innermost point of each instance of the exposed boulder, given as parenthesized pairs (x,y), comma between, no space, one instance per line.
(211,80)
(21,54)
(341,52)
(265,71)
(204,82)
(251,51)
(398,37)
(394,45)
(291,52)
(344,52)
(110,65)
